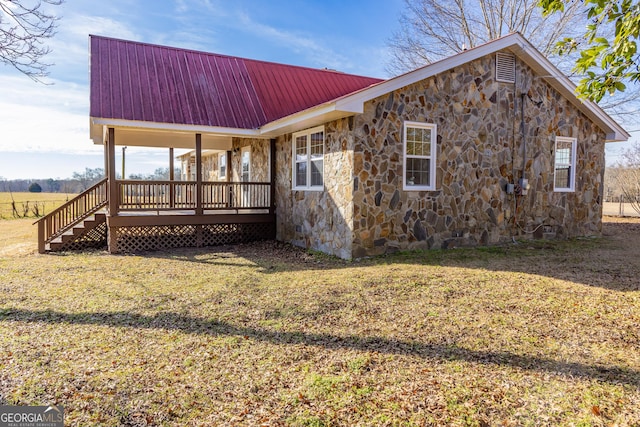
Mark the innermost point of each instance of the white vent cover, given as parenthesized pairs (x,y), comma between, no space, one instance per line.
(505,68)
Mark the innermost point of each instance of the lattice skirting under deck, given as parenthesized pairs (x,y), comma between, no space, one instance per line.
(157,237)
(94,238)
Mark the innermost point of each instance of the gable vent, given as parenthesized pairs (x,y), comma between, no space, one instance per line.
(505,68)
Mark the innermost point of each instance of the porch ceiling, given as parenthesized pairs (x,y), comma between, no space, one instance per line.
(137,137)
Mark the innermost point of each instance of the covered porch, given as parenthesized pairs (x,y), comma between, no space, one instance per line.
(129,216)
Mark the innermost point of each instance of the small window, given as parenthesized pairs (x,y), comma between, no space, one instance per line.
(565,164)
(505,68)
(308,159)
(222,165)
(245,164)
(419,142)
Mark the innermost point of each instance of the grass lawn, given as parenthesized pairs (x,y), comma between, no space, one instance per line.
(26,203)
(533,334)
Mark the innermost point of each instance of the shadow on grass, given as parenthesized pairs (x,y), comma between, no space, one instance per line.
(578,261)
(570,260)
(194,325)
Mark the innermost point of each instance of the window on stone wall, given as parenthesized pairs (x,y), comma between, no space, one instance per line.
(565,164)
(245,164)
(222,165)
(308,159)
(419,161)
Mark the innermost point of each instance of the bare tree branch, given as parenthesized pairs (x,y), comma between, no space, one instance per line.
(627,177)
(434,29)
(24,29)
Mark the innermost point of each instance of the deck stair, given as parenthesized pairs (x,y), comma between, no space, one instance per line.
(88,232)
(78,224)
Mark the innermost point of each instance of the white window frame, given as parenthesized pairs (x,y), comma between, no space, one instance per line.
(432,156)
(243,151)
(308,160)
(572,165)
(222,158)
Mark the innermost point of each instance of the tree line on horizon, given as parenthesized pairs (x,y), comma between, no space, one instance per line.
(79,181)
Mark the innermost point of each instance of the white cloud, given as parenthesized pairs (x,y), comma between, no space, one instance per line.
(298,43)
(55,118)
(70,47)
(82,25)
(181,6)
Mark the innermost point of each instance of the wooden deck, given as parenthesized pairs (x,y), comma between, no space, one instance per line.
(181,195)
(149,215)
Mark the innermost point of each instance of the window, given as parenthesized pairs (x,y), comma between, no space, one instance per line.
(419,142)
(245,164)
(222,165)
(565,164)
(308,159)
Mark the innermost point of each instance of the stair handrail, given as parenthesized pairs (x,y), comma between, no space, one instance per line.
(71,213)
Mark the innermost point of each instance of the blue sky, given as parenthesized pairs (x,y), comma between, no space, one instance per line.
(44,130)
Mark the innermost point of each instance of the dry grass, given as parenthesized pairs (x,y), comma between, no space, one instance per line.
(26,203)
(540,333)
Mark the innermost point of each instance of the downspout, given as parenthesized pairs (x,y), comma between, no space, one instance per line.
(523,183)
(524,139)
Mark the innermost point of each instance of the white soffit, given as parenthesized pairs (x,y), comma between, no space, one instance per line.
(161,138)
(164,134)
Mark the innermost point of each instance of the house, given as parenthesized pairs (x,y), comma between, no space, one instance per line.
(214,165)
(477,148)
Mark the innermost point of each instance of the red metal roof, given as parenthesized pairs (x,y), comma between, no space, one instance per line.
(143,82)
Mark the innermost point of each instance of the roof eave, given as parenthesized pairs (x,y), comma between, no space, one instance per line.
(308,118)
(97,122)
(519,46)
(556,79)
(153,134)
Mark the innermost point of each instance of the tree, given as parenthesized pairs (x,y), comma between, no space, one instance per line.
(628,176)
(160,174)
(606,62)
(35,188)
(53,185)
(88,177)
(24,28)
(434,29)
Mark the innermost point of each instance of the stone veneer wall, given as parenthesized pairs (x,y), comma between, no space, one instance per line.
(319,220)
(479,151)
(259,162)
(210,167)
(210,171)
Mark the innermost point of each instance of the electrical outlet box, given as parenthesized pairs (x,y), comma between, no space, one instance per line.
(510,188)
(524,186)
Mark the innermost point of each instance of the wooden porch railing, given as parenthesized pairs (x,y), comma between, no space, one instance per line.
(156,195)
(71,213)
(236,195)
(180,195)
